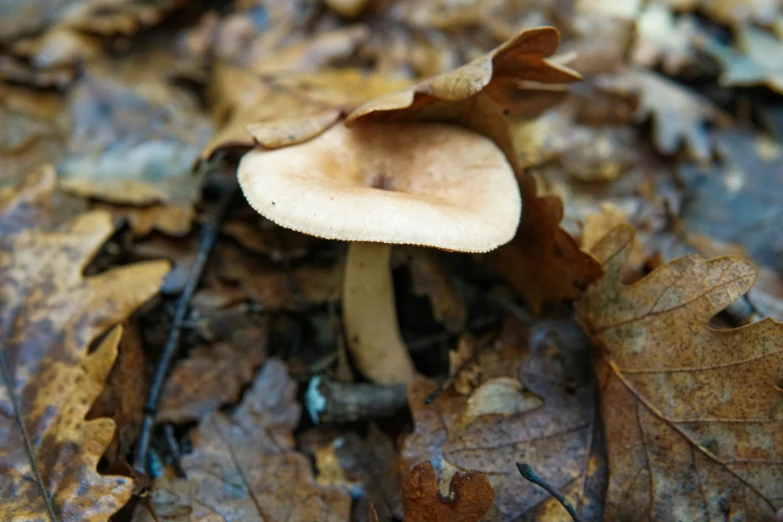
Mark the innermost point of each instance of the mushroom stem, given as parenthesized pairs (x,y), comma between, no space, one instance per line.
(370,316)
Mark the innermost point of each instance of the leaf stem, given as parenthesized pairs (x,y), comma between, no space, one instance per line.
(527,472)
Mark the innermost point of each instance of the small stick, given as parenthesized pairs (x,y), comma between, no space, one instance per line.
(337,402)
(209,234)
(527,472)
(173,447)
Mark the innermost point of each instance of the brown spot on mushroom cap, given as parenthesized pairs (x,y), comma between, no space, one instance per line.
(424,184)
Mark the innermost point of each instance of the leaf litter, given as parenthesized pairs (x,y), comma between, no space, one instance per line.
(642,134)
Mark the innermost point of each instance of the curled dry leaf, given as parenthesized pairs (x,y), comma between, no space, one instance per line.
(286,109)
(543,262)
(120,112)
(49,316)
(244,467)
(693,415)
(480,94)
(548,420)
(470,496)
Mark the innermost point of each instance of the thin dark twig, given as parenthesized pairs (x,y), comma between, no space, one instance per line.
(209,234)
(173,447)
(527,472)
(18,415)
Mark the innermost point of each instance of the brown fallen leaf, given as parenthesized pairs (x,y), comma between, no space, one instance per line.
(37,203)
(693,415)
(678,115)
(431,277)
(210,377)
(733,12)
(172,220)
(480,94)
(543,262)
(275,289)
(49,316)
(365,468)
(548,420)
(31,135)
(660,37)
(148,119)
(122,400)
(286,109)
(756,62)
(470,496)
(244,467)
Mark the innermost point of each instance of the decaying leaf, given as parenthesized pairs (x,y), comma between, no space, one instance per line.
(662,38)
(480,94)
(470,496)
(549,420)
(757,62)
(543,262)
(365,468)
(693,415)
(49,316)
(678,115)
(32,133)
(122,400)
(244,467)
(172,220)
(740,201)
(273,288)
(210,377)
(121,112)
(286,109)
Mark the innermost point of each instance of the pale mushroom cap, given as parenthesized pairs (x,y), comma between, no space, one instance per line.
(421,184)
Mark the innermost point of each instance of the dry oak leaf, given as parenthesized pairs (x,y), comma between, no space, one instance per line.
(660,37)
(758,60)
(172,220)
(550,422)
(693,415)
(49,315)
(285,109)
(543,262)
(470,496)
(678,115)
(482,93)
(244,467)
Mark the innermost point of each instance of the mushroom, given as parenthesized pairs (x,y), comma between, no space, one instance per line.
(378,185)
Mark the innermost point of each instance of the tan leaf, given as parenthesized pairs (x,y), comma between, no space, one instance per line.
(480,94)
(543,262)
(49,316)
(470,496)
(244,467)
(693,415)
(286,109)
(552,426)
(172,220)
